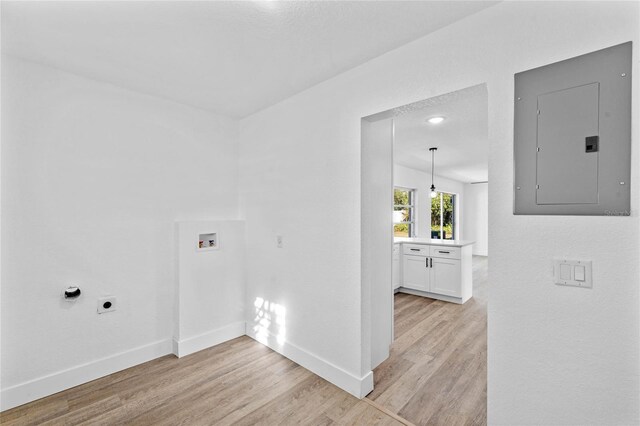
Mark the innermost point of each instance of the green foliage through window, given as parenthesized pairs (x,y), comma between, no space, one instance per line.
(403,212)
(443,216)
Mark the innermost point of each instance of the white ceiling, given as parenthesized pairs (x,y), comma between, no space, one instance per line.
(233,58)
(461,139)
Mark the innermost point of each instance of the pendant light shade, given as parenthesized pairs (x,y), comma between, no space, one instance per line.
(434,194)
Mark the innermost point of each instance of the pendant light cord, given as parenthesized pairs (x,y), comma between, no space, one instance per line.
(433,169)
(432,166)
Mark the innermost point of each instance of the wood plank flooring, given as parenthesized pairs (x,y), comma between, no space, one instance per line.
(437,371)
(240,382)
(436,375)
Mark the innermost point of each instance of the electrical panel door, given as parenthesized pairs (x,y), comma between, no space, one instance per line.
(567,172)
(572,136)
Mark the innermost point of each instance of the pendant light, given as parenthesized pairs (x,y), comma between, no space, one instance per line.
(434,194)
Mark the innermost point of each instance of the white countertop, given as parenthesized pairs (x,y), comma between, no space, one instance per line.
(446,243)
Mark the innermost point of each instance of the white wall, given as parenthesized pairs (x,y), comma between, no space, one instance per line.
(421,182)
(377,194)
(557,355)
(210,285)
(475,217)
(300,178)
(93,178)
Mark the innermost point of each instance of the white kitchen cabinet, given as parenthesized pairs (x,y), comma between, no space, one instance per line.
(415,272)
(445,277)
(436,269)
(395,267)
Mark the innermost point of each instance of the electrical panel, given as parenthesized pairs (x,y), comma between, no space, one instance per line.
(572,136)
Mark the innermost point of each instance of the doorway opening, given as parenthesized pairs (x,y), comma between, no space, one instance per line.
(427,310)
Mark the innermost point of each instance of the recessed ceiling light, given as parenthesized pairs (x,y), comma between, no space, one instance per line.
(435,120)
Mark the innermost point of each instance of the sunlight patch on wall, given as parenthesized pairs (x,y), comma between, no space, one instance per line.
(269,321)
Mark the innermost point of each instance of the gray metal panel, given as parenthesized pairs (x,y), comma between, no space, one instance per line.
(609,68)
(566,173)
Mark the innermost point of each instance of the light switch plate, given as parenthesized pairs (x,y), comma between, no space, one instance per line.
(575,273)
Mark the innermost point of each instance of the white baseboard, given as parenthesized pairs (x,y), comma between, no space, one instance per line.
(356,386)
(449,299)
(61,380)
(202,341)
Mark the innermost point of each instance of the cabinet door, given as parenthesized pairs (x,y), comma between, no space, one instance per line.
(395,268)
(415,272)
(446,277)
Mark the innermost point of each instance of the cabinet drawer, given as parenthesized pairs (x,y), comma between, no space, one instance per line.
(415,249)
(445,252)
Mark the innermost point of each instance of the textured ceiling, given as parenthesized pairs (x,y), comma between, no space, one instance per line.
(461,139)
(233,58)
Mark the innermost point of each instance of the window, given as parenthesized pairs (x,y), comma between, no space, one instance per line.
(443,216)
(403,212)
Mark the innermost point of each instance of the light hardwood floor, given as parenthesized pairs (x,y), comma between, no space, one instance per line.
(436,375)
(239,382)
(437,371)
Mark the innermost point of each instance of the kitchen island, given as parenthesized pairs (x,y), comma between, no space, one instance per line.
(438,269)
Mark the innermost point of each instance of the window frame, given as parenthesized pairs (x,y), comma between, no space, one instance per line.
(454,221)
(412,210)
